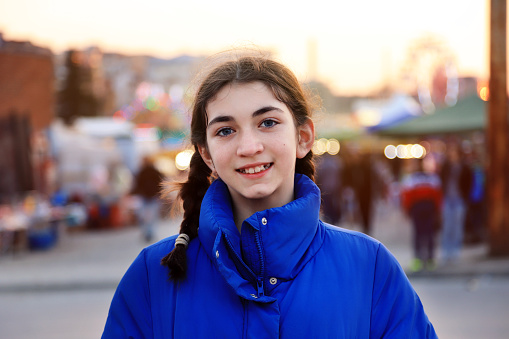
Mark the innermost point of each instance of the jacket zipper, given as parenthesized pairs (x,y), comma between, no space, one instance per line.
(239,259)
(259,280)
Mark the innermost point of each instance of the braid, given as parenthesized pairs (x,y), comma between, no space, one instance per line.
(191,193)
(306,166)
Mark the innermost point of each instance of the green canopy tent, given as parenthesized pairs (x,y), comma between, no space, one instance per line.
(469,114)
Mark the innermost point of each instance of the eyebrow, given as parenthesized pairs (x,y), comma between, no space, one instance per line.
(260,111)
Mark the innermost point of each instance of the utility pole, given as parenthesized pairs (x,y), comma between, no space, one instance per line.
(497,134)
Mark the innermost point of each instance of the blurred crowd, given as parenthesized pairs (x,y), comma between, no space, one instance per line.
(442,194)
(116,197)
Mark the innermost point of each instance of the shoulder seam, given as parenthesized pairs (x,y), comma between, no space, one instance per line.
(356,234)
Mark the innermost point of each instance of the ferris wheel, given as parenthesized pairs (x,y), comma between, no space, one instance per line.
(430,73)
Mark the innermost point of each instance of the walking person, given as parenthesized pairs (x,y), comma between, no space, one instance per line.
(328,179)
(421,199)
(475,219)
(358,175)
(456,180)
(147,186)
(253,259)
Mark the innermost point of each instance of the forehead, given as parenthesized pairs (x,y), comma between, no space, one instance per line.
(242,97)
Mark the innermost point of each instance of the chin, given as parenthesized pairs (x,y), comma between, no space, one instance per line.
(257,194)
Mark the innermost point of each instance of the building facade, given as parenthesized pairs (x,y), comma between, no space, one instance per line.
(26,110)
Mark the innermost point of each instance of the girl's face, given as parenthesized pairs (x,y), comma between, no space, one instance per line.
(252,144)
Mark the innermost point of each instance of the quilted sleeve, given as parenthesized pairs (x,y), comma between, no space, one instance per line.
(397,311)
(129,315)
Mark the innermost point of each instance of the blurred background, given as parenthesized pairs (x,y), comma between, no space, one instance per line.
(92,92)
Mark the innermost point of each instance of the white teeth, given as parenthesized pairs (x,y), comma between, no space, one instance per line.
(256,169)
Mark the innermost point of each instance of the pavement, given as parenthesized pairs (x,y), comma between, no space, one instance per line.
(393,229)
(98,259)
(80,260)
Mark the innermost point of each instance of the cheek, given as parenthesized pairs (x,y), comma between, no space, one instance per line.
(288,144)
(219,156)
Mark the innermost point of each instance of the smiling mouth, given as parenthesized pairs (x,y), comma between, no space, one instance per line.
(256,169)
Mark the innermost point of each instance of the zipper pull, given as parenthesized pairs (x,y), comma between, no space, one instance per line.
(259,285)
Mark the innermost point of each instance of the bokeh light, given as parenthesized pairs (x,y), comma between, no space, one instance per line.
(333,146)
(409,151)
(151,104)
(417,151)
(120,115)
(484,93)
(390,151)
(183,159)
(322,145)
(401,151)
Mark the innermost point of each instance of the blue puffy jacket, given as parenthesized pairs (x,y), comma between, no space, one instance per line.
(286,275)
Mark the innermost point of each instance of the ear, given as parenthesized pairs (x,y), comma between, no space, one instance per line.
(205,155)
(305,138)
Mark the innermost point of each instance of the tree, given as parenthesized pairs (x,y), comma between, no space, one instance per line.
(76,98)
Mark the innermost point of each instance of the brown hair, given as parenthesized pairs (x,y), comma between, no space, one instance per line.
(239,69)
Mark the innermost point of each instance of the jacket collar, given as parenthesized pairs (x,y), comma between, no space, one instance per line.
(288,236)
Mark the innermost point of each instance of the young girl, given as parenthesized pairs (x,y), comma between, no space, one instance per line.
(253,259)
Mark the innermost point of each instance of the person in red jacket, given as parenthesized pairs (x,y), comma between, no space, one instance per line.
(421,198)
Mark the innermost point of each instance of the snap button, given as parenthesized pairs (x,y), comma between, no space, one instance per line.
(217,254)
(264,221)
(273,281)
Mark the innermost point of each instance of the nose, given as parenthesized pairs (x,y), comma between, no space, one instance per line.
(249,144)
